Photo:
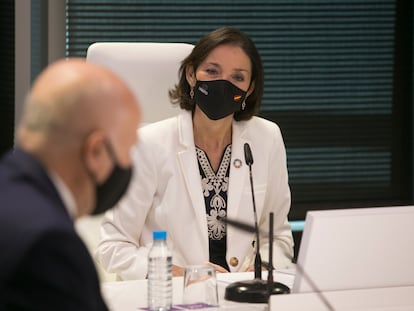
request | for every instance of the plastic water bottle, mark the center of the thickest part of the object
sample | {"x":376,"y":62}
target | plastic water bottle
{"x":159,"y":274}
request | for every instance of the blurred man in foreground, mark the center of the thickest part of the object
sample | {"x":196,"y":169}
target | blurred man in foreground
{"x":72,"y":159}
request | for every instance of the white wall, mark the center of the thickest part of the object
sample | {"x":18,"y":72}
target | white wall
{"x":22,"y":55}
{"x":55,"y":44}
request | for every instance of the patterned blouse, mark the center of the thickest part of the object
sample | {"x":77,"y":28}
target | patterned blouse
{"x":215,"y":186}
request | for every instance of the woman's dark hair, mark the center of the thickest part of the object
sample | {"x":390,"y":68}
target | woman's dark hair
{"x":181,"y":93}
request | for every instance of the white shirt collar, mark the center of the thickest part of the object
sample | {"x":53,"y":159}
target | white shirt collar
{"x":65,"y":194}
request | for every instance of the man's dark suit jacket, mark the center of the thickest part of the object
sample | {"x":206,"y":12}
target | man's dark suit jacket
{"x":44,"y":265}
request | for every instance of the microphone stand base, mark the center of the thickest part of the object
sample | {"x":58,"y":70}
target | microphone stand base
{"x":254,"y":291}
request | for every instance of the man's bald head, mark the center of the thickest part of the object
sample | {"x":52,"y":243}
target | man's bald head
{"x":72,"y":97}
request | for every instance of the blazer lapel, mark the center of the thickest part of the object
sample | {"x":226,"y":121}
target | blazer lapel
{"x":239,"y":171}
{"x":187,"y":159}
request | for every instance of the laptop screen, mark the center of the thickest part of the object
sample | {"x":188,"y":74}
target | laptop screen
{"x":356,"y":248}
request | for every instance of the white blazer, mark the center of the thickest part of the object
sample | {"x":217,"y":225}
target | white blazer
{"x":166,"y":193}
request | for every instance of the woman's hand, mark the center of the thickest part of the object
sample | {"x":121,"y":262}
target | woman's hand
{"x":177,"y":270}
{"x":265,"y":266}
{"x":218,"y":268}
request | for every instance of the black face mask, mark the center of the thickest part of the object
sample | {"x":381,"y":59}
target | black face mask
{"x":114,"y":187}
{"x":218,"y":98}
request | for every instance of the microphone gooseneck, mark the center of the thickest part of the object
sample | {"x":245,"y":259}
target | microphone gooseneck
{"x":270,"y":265}
{"x":257,"y":260}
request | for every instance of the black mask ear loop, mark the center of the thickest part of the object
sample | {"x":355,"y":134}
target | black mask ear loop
{"x":83,"y":154}
{"x":110,"y":150}
{"x":111,"y":154}
{"x":114,"y":187}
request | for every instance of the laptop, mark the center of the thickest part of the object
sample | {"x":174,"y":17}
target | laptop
{"x":356,"y":249}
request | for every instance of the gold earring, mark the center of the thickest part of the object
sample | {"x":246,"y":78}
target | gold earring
{"x":192,"y":93}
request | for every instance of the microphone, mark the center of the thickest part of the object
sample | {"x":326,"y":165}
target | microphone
{"x":249,"y":228}
{"x":248,"y":156}
{"x":256,"y":290}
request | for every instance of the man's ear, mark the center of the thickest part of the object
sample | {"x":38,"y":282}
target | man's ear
{"x":190,"y":75}
{"x":95,"y":154}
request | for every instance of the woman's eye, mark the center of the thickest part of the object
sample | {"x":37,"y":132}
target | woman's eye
{"x":211,"y":71}
{"x":238,"y":78}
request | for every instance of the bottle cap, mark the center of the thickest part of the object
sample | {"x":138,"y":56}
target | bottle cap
{"x":159,"y":235}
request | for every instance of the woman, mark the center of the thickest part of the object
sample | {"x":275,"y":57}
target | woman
{"x":191,"y":170}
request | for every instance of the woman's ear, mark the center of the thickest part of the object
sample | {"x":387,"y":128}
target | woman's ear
{"x":190,"y":75}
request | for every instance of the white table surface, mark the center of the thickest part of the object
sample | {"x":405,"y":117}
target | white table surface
{"x":132,"y":295}
{"x":399,"y":298}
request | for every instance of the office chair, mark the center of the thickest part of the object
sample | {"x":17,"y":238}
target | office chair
{"x":150,"y":70}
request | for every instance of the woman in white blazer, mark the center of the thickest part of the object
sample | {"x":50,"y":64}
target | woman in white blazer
{"x":191,"y":170}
